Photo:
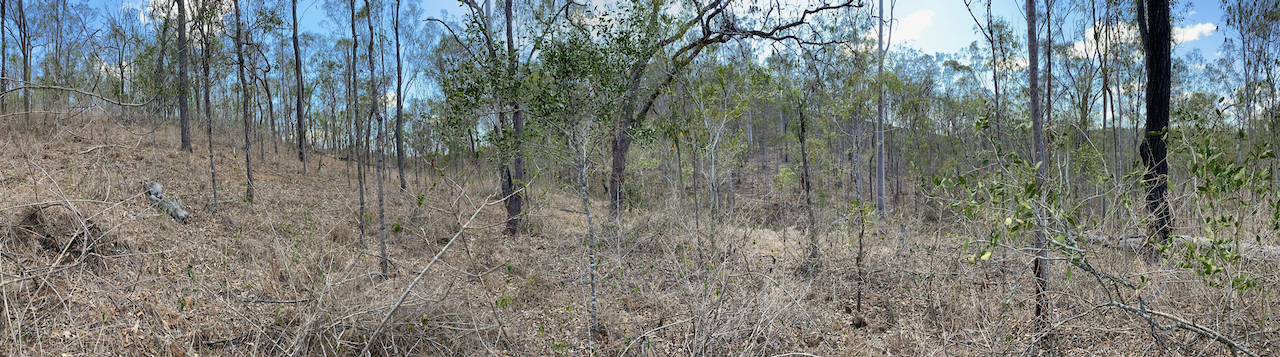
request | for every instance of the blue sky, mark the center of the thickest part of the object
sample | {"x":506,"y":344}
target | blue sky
{"x":931,"y":26}
{"x":945,"y":25}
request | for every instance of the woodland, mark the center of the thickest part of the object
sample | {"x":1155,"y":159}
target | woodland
{"x":635,"y":178}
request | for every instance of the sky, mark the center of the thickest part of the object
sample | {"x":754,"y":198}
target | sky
{"x":934,"y":26}
{"x":931,"y":26}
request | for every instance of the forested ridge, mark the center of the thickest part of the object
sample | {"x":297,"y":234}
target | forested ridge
{"x":637,"y":178}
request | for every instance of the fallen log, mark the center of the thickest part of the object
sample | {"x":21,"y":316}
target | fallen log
{"x":1248,"y":251}
{"x":156,"y":193}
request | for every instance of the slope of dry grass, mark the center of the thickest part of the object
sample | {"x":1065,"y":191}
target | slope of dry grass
{"x":91,"y":268}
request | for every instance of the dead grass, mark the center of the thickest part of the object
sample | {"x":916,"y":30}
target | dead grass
{"x":91,"y":268}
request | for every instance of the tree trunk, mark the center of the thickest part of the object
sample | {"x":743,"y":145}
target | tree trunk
{"x":1040,"y":266}
{"x":24,"y":40}
{"x":4,"y":53}
{"x":880,"y":117}
{"x":359,"y":138}
{"x":297,"y":74}
{"x":808,"y":191}
{"x":380,"y":141}
{"x":1156,"y":35}
{"x":399,"y":103}
{"x":184,"y":118}
{"x":513,"y":175}
{"x":208,"y":111}
{"x":244,"y":104}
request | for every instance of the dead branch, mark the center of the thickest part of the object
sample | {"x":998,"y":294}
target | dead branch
{"x":91,"y":94}
{"x":488,"y":201}
{"x":1180,"y":323}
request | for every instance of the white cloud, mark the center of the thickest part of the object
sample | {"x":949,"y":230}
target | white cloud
{"x":1108,"y":35}
{"x":1193,"y":32}
{"x":911,"y":26}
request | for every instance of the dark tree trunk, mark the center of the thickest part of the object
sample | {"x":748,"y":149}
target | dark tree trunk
{"x":1156,"y":35}
{"x":1039,"y":267}
{"x":24,"y":43}
{"x":297,"y":74}
{"x":208,"y":112}
{"x":355,"y":118}
{"x":4,"y":53}
{"x":244,"y":104}
{"x":399,"y":103}
{"x":513,"y":175}
{"x":184,"y":119}
{"x":805,"y":181}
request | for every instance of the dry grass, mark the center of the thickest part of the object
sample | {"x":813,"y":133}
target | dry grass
{"x":89,"y":267}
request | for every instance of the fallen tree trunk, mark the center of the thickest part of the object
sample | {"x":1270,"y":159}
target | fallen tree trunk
{"x":1248,"y":251}
{"x":156,"y":193}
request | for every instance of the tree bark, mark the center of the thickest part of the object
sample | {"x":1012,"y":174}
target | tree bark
{"x":1039,"y":266}
{"x":4,"y":53}
{"x":880,"y":116}
{"x":1154,"y":25}
{"x":359,"y":138}
{"x":399,"y":103}
{"x":184,"y":119}
{"x":244,"y":104}
{"x":513,"y":175}
{"x":25,"y":47}
{"x":297,"y":74}
{"x":380,"y":141}
{"x":208,"y":110}
{"x":808,"y":191}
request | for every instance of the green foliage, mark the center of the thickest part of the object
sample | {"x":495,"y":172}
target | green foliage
{"x":785,"y":181}
{"x":1231,"y":195}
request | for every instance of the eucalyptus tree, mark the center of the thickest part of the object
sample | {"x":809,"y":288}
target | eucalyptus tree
{"x":1154,"y":25}
{"x":23,"y":35}
{"x":184,"y":118}
{"x":4,"y":56}
{"x":655,"y":47}
{"x":399,"y":100}
{"x":568,"y":96}
{"x":205,"y":22}
{"x":244,"y":100}
{"x":297,"y":75}
{"x":1039,"y":267}
{"x":495,"y":80}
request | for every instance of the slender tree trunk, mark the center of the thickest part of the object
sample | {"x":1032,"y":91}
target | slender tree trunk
{"x":805,"y":181}
{"x":880,"y":117}
{"x":208,"y":110}
{"x":24,"y":39}
{"x":269,"y":120}
{"x":581,"y":143}
{"x":513,"y":180}
{"x":1156,"y":34}
{"x":995,"y":73}
{"x":355,"y":119}
{"x":184,"y":118}
{"x":297,"y":74}
{"x":244,"y":104}
{"x":4,"y":54}
{"x":399,"y":103}
{"x":380,"y":141}
{"x":1040,"y":266}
